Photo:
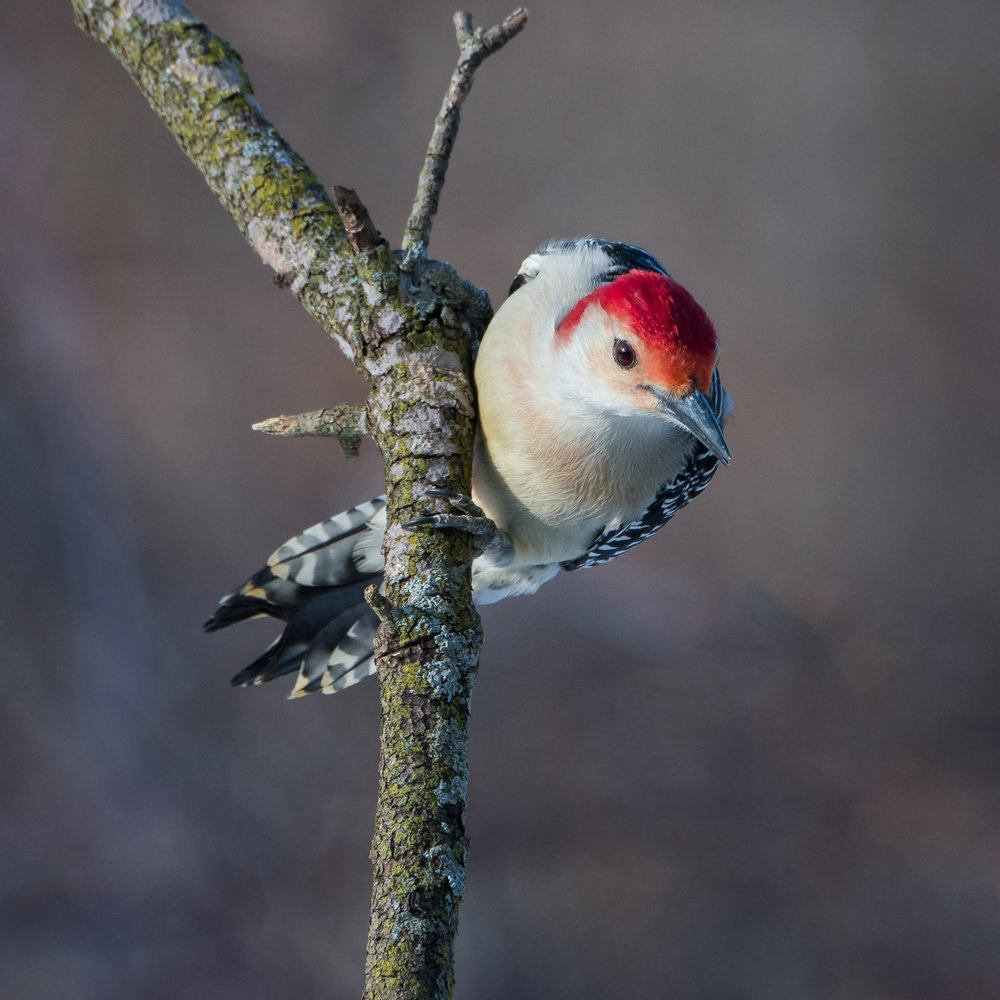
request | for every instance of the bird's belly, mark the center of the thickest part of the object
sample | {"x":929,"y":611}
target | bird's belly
{"x":552,"y":503}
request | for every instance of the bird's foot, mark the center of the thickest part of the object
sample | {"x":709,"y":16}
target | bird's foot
{"x":469,"y":518}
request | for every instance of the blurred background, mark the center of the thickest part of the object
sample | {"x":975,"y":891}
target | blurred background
{"x":757,"y":757}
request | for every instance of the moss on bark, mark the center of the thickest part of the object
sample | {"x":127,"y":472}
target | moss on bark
{"x":411,"y":333}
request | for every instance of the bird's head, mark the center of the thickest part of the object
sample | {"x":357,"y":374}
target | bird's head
{"x":635,"y":338}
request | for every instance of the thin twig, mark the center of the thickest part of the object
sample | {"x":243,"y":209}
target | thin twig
{"x":474,"y":46}
{"x":345,"y":422}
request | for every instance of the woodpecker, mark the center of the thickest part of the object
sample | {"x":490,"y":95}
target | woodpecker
{"x":601,"y":414}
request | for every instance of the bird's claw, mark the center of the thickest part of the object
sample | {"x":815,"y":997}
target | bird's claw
{"x":458,"y":500}
{"x":471,"y":519}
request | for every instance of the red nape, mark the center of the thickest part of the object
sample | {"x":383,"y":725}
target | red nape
{"x":662,"y":313}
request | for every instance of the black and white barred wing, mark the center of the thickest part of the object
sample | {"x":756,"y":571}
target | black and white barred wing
{"x":693,"y":479}
{"x":315,"y":583}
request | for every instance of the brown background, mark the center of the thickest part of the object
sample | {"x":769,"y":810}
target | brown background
{"x":756,"y":758}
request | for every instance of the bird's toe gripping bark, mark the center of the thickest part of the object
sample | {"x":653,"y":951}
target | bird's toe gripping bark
{"x":470,"y":518}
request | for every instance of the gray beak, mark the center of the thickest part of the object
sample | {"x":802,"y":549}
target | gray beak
{"x":694,"y":414}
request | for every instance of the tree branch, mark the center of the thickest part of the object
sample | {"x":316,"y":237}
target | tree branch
{"x":196,"y":83}
{"x":346,"y":422}
{"x":411,"y":334}
{"x":473,"y":47}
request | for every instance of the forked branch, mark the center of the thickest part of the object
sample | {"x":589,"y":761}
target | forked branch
{"x":411,"y":334}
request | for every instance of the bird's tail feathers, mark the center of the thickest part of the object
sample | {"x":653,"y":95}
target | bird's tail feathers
{"x":315,"y":583}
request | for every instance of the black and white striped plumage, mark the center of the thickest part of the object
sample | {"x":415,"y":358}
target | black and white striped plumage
{"x":601,"y":411}
{"x":316,"y":584}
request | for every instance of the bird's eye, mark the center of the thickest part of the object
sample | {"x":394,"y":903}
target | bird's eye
{"x":624,"y":354}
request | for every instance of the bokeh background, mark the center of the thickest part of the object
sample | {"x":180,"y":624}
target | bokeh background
{"x":758,"y":757}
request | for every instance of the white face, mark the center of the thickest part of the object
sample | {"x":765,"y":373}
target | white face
{"x":605,"y":361}
{"x":540,"y":344}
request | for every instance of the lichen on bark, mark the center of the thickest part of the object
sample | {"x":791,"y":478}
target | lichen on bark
{"x":410,"y":328}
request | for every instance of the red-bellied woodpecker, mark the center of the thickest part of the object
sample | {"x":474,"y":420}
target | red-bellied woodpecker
{"x":600,"y":416}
